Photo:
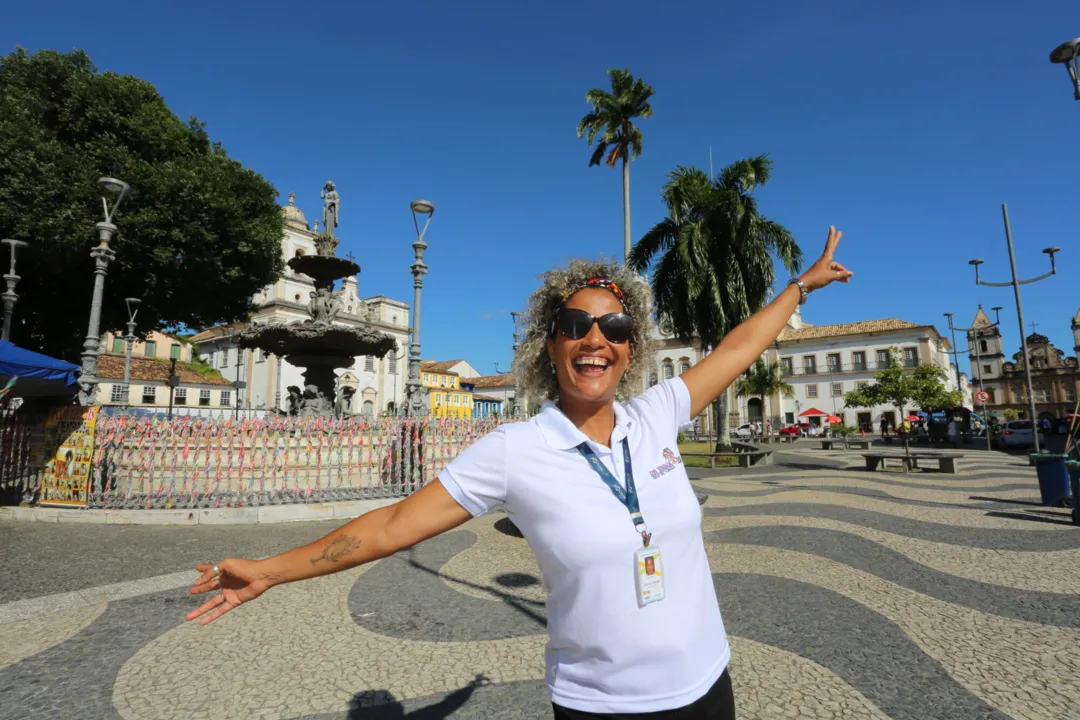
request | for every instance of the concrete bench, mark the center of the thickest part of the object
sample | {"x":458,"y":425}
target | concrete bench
{"x":858,"y":444}
{"x":946,"y":461}
{"x":746,"y":459}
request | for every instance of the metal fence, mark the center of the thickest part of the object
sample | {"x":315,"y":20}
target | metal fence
{"x":146,"y":461}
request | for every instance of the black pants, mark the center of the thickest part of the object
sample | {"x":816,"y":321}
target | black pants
{"x":717,"y":704}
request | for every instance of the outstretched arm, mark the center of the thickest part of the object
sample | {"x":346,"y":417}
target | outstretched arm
{"x":372,"y":536}
{"x":741,"y":347}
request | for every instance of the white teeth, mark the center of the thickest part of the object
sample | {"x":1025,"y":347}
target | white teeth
{"x":588,"y":360}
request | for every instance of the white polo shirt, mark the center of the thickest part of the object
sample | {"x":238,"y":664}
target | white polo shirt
{"x":605,"y":654}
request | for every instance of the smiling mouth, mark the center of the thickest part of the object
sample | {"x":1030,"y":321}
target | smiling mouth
{"x":591,"y":366}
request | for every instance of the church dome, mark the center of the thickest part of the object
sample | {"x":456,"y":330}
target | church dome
{"x":294,"y":216}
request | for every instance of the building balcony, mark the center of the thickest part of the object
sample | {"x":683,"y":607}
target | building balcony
{"x":842,"y":368}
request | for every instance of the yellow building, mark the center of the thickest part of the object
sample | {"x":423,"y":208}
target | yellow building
{"x":449,"y":395}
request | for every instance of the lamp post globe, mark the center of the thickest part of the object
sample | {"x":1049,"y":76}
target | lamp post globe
{"x":10,"y":280}
{"x":133,"y":310}
{"x":1068,"y":54}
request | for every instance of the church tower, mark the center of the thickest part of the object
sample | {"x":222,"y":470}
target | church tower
{"x":986,"y":336}
{"x":1076,"y":333}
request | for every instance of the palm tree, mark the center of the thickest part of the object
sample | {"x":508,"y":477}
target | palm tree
{"x":612,"y":118}
{"x":763,"y":381}
{"x":714,"y":254}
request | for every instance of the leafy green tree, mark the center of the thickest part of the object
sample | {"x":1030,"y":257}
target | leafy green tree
{"x":763,"y":381}
{"x":612,"y":118}
{"x":922,"y":387}
{"x":197,"y":236}
{"x":714,"y":254}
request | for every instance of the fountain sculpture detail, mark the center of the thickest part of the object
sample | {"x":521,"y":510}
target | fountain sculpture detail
{"x":318,"y":344}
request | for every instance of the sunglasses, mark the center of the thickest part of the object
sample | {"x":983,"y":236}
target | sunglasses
{"x":576,"y":324}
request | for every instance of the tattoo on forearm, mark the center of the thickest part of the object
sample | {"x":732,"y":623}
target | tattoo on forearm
{"x":337,"y":549}
{"x":274,"y":577}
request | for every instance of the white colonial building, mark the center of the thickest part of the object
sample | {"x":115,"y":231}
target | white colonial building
{"x":379,"y":382}
{"x":821,"y":364}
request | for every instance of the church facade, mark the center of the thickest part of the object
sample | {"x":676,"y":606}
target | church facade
{"x":1055,"y":376}
{"x":378,"y":384}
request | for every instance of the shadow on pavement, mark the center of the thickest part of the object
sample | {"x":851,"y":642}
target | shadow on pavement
{"x":389,"y":708}
{"x":1006,"y":501}
{"x":1025,"y":516}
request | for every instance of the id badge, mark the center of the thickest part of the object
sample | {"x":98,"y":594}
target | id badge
{"x":650,"y":575}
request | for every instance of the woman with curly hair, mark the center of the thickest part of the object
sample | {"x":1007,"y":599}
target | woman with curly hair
{"x":595,"y":486}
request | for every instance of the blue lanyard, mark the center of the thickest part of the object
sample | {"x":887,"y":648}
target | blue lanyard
{"x":627,"y":497}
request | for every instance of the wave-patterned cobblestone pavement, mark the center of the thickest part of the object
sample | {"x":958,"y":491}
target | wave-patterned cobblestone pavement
{"x":847,"y":594}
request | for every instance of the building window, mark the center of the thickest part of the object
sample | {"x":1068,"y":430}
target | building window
{"x":833,"y":362}
{"x":1042,"y":395}
{"x":204,"y":398}
{"x":226,"y":398}
{"x":118,"y":394}
{"x":669,"y":370}
{"x":789,"y":418}
{"x":785,"y":364}
{"x":438,"y":399}
{"x":858,"y":360}
{"x":118,"y":344}
{"x":882,"y":359}
{"x":684,"y":366}
{"x":225,"y":358}
{"x":652,"y":378}
{"x":983,"y":347}
{"x":911,"y":357}
{"x":369,"y":363}
{"x":1070,"y":394}
{"x":987,"y":369}
{"x":150,"y":348}
{"x":149,"y":395}
{"x":811,"y":391}
{"x":392,"y":362}
{"x":180,"y":396}
{"x":861,"y":383}
{"x":809,"y":365}
{"x":837,"y":389}
{"x":368,"y":408}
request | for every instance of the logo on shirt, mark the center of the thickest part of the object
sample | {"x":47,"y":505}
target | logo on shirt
{"x":671,"y":460}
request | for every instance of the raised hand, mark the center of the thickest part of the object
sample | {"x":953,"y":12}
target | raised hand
{"x":826,"y":270}
{"x":237,"y":582}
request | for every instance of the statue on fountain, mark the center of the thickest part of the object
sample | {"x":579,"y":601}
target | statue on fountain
{"x":319,"y":345}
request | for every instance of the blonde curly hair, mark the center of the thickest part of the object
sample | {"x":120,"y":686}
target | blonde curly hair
{"x":538,"y":380}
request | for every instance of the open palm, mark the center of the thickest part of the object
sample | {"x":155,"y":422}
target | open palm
{"x":239,"y":582}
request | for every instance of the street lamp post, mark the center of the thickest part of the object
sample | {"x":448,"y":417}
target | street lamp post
{"x":978,"y":358}
{"x":415,"y":397}
{"x":102,"y":254}
{"x":1068,"y":54}
{"x":1015,"y":284}
{"x":133,"y":310}
{"x":514,"y":367}
{"x":174,"y":355}
{"x":9,"y":296}
{"x":238,"y":384}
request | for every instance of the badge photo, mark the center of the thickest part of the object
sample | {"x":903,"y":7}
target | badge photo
{"x":649,"y":575}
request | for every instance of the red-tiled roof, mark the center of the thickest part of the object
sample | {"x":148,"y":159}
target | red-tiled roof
{"x":111,"y":367}
{"x":855,"y":328}
{"x":442,"y":366}
{"x":493,"y":381}
{"x":488,"y":398}
{"x":218,"y":331}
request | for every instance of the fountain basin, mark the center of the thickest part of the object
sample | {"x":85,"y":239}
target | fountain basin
{"x":324,"y":269}
{"x":308,"y":338}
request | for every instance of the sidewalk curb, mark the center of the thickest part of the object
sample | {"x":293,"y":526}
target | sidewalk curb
{"x":265,"y":514}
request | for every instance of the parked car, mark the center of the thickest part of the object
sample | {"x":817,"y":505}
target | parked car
{"x":743,"y":430}
{"x":1016,"y":434}
{"x":792,"y":430}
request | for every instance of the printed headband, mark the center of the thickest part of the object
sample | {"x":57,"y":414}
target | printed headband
{"x":602,"y":283}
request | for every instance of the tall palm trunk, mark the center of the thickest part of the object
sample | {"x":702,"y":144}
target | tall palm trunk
{"x":626,"y":204}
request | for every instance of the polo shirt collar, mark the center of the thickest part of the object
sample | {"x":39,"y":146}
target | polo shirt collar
{"x":561,"y":434}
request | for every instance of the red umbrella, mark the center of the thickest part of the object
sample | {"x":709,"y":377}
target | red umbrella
{"x":833,"y":419}
{"x":913,"y":418}
{"x":813,"y":412}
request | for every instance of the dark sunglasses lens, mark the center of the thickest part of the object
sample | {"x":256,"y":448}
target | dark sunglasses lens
{"x":575,"y":324}
{"x":617,"y":327}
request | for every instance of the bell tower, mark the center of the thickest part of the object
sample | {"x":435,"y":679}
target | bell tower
{"x":1076,"y":333}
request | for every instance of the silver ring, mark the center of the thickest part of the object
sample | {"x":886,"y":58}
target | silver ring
{"x":216,"y":571}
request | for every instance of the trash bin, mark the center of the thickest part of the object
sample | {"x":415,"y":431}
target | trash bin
{"x":1053,"y":477}
{"x":1074,"y":485}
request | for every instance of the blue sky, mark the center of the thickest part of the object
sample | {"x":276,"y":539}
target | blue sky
{"x":906,"y":125}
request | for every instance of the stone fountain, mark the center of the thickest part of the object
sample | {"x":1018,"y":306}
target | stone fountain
{"x":318,"y":344}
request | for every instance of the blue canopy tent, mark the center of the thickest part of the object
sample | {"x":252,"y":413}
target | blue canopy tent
{"x":38,"y":375}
